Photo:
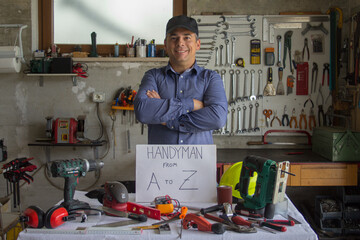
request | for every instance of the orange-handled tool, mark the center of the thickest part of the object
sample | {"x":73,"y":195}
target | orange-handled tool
{"x":181,"y":215}
{"x":183,"y":212}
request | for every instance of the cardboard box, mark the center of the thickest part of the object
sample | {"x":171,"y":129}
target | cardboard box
{"x":4,"y":205}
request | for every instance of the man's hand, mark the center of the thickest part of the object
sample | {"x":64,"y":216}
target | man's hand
{"x":198,"y":104}
{"x":152,"y":94}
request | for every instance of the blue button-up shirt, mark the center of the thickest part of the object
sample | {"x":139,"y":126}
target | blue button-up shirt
{"x":175,"y":108}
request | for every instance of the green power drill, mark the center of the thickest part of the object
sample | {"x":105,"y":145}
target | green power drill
{"x":72,"y":170}
{"x":260,"y":204}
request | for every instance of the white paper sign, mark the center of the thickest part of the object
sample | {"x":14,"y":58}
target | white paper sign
{"x":184,"y":172}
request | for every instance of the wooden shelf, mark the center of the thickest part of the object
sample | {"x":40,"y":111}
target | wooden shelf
{"x":122,"y":59}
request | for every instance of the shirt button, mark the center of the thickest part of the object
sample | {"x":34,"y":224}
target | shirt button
{"x":187,"y":110}
{"x":182,"y":76}
{"x":181,"y":91}
{"x":181,"y":141}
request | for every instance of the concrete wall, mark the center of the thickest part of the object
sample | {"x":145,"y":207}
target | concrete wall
{"x":24,"y":104}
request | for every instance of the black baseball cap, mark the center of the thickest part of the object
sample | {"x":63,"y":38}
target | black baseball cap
{"x":182,"y":21}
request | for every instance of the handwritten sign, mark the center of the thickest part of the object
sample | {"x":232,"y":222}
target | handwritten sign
{"x":184,"y":172}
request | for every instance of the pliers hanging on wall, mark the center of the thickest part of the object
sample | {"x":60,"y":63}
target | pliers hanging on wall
{"x":312,"y":122}
{"x":287,"y":47}
{"x":306,"y":47}
{"x":303,"y":118}
{"x":321,"y":114}
{"x":314,"y":77}
{"x":293,"y":119}
{"x":275,"y":117}
{"x":325,"y":70}
{"x":285,"y":117}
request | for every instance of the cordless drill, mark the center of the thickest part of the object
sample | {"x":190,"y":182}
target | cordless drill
{"x":72,"y":170}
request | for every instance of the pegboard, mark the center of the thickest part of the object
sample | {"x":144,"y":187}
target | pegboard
{"x":234,"y":33}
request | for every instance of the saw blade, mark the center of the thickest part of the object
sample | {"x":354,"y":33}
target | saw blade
{"x":118,"y":224}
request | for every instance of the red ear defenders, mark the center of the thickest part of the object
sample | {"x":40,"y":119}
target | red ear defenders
{"x":54,"y":217}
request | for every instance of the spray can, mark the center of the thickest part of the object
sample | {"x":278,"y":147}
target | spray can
{"x":152,"y":49}
{"x":116,"y":50}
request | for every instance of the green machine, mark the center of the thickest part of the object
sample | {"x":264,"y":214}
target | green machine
{"x":259,"y":204}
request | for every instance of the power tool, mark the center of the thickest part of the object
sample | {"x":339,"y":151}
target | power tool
{"x":262,"y":202}
{"x":65,"y":130}
{"x":116,"y":196}
{"x":72,"y":170}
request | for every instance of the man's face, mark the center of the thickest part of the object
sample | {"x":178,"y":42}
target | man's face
{"x":181,"y":46}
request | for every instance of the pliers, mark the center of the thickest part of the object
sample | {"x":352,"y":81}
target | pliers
{"x":306,"y":46}
{"x":320,"y":108}
{"x":314,"y":77}
{"x":326,"y":69}
{"x":303,"y":117}
{"x":312,"y":122}
{"x":293,"y":118}
{"x":285,"y":117}
{"x":275,"y":117}
{"x":309,"y":99}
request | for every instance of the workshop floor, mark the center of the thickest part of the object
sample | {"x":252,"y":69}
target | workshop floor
{"x":305,"y":203}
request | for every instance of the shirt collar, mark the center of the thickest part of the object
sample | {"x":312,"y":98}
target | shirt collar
{"x":194,"y":67}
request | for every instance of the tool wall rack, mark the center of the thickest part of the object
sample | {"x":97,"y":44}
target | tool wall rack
{"x":225,"y":46}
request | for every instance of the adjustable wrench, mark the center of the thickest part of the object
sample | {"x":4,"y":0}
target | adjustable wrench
{"x":243,"y":123}
{"x":238,"y":120}
{"x":252,"y":97}
{"x":244,"y":97}
{"x":227,"y":57}
{"x":221,"y":55}
{"x":256,"y":128}
{"x":259,"y":95}
{"x":250,"y":129}
{"x":233,"y":52}
{"x":238,"y":98}
{"x":278,"y":38}
{"x":216,"y":56}
{"x":232,"y":92}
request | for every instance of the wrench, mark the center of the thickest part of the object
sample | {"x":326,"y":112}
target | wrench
{"x":216,"y":31}
{"x":227,"y":57}
{"x":208,"y":43}
{"x":244,"y":97}
{"x":221,"y":55}
{"x":243,"y":123}
{"x":216,"y":56}
{"x":259,"y":95}
{"x":202,"y":49}
{"x":232,"y":133}
{"x":217,"y":24}
{"x":233,"y":52}
{"x":256,"y":128}
{"x":239,"y":120}
{"x":213,"y":37}
{"x":223,"y":76}
{"x":250,"y":25}
{"x":252,"y":97}
{"x":250,"y":129}
{"x":238,"y":98}
{"x":228,"y":123}
{"x":278,"y":38}
{"x":232,"y":92}
{"x":250,"y":33}
{"x":247,"y":18}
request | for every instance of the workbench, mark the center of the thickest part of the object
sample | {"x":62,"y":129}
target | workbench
{"x":301,"y":231}
{"x":310,"y":168}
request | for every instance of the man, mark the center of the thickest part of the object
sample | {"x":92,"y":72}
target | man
{"x":182,"y":103}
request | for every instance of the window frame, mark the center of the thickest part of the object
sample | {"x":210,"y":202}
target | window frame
{"x":46,"y":29}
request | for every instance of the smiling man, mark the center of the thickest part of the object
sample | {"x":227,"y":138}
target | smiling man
{"x":182,"y":103}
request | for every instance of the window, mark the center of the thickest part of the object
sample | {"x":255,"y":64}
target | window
{"x":48,"y":18}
